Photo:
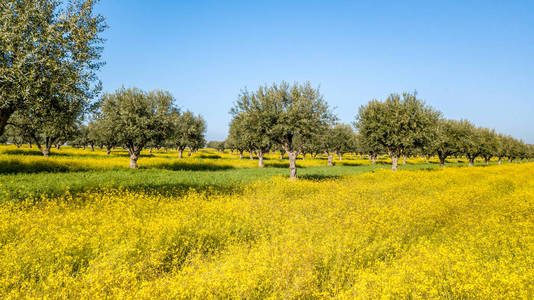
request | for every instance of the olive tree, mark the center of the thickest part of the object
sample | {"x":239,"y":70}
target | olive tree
{"x":396,"y":125}
{"x":197,"y":132}
{"x":49,"y":53}
{"x":137,"y":117}
{"x":102,"y":132}
{"x":468,"y":141}
{"x":254,"y":127}
{"x":236,"y":139}
{"x":288,"y":115}
{"x":343,"y":138}
{"x":47,"y":126}
{"x":336,"y":139}
{"x":489,"y":144}
{"x":187,"y":130}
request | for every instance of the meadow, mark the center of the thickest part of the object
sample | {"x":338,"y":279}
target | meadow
{"x":80,"y":224}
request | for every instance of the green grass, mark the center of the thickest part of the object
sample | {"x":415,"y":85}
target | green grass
{"x":22,"y":186}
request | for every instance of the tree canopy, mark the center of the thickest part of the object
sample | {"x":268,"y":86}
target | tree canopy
{"x":286,"y":115}
{"x":49,"y":54}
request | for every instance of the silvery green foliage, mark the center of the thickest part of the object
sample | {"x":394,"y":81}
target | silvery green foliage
{"x":397,"y":125}
{"x":284,"y":115}
{"x":49,"y":53}
{"x":187,"y":130}
{"x":136,"y":118}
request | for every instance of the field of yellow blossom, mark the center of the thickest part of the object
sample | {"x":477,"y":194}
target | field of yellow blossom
{"x":431,"y":233}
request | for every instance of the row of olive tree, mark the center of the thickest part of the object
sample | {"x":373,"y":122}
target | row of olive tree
{"x":129,"y":118}
{"x":135,"y":119}
{"x":404,"y":125}
{"x":295,"y":119}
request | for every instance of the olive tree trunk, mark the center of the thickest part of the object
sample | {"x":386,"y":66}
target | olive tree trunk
{"x":499,"y":161}
{"x":373,"y":159}
{"x":394,"y":162}
{"x":134,"y":155}
{"x":442,"y":161}
{"x":260,"y":159}
{"x":471,"y":161}
{"x":292,"y":164}
{"x":45,"y":150}
{"x":180,"y":153}
{"x":241,"y":154}
{"x":108,"y":150}
{"x":487,"y":159}
{"x":330,"y":159}
{"x":404,"y":159}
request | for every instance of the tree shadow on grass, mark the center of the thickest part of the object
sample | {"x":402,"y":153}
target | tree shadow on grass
{"x":190,"y":166}
{"x":50,"y":166}
{"x":349,"y":164}
{"x":14,"y":167}
{"x":33,"y":152}
{"x":274,"y":164}
{"x":180,"y":189}
{"x":318,"y":177}
{"x":177,"y":190}
{"x":209,"y":156}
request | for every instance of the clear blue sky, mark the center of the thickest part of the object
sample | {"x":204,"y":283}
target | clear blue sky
{"x":469,"y":59}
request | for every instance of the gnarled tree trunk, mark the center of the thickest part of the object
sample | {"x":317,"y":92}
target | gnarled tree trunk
{"x":108,"y":150}
{"x":404,"y":159}
{"x":471,"y":161}
{"x":5,"y":114}
{"x":180,"y":153}
{"x":251,"y":155}
{"x":340,"y":156}
{"x":134,"y":155}
{"x":373,"y":159}
{"x":240,"y":154}
{"x":442,"y":161}
{"x":330,"y":159}
{"x":292,"y":164}
{"x":260,"y":159}
{"x":46,"y":151}
{"x":394,"y":162}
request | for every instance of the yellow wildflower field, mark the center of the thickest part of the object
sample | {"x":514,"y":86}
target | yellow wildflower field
{"x":452,"y":233}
